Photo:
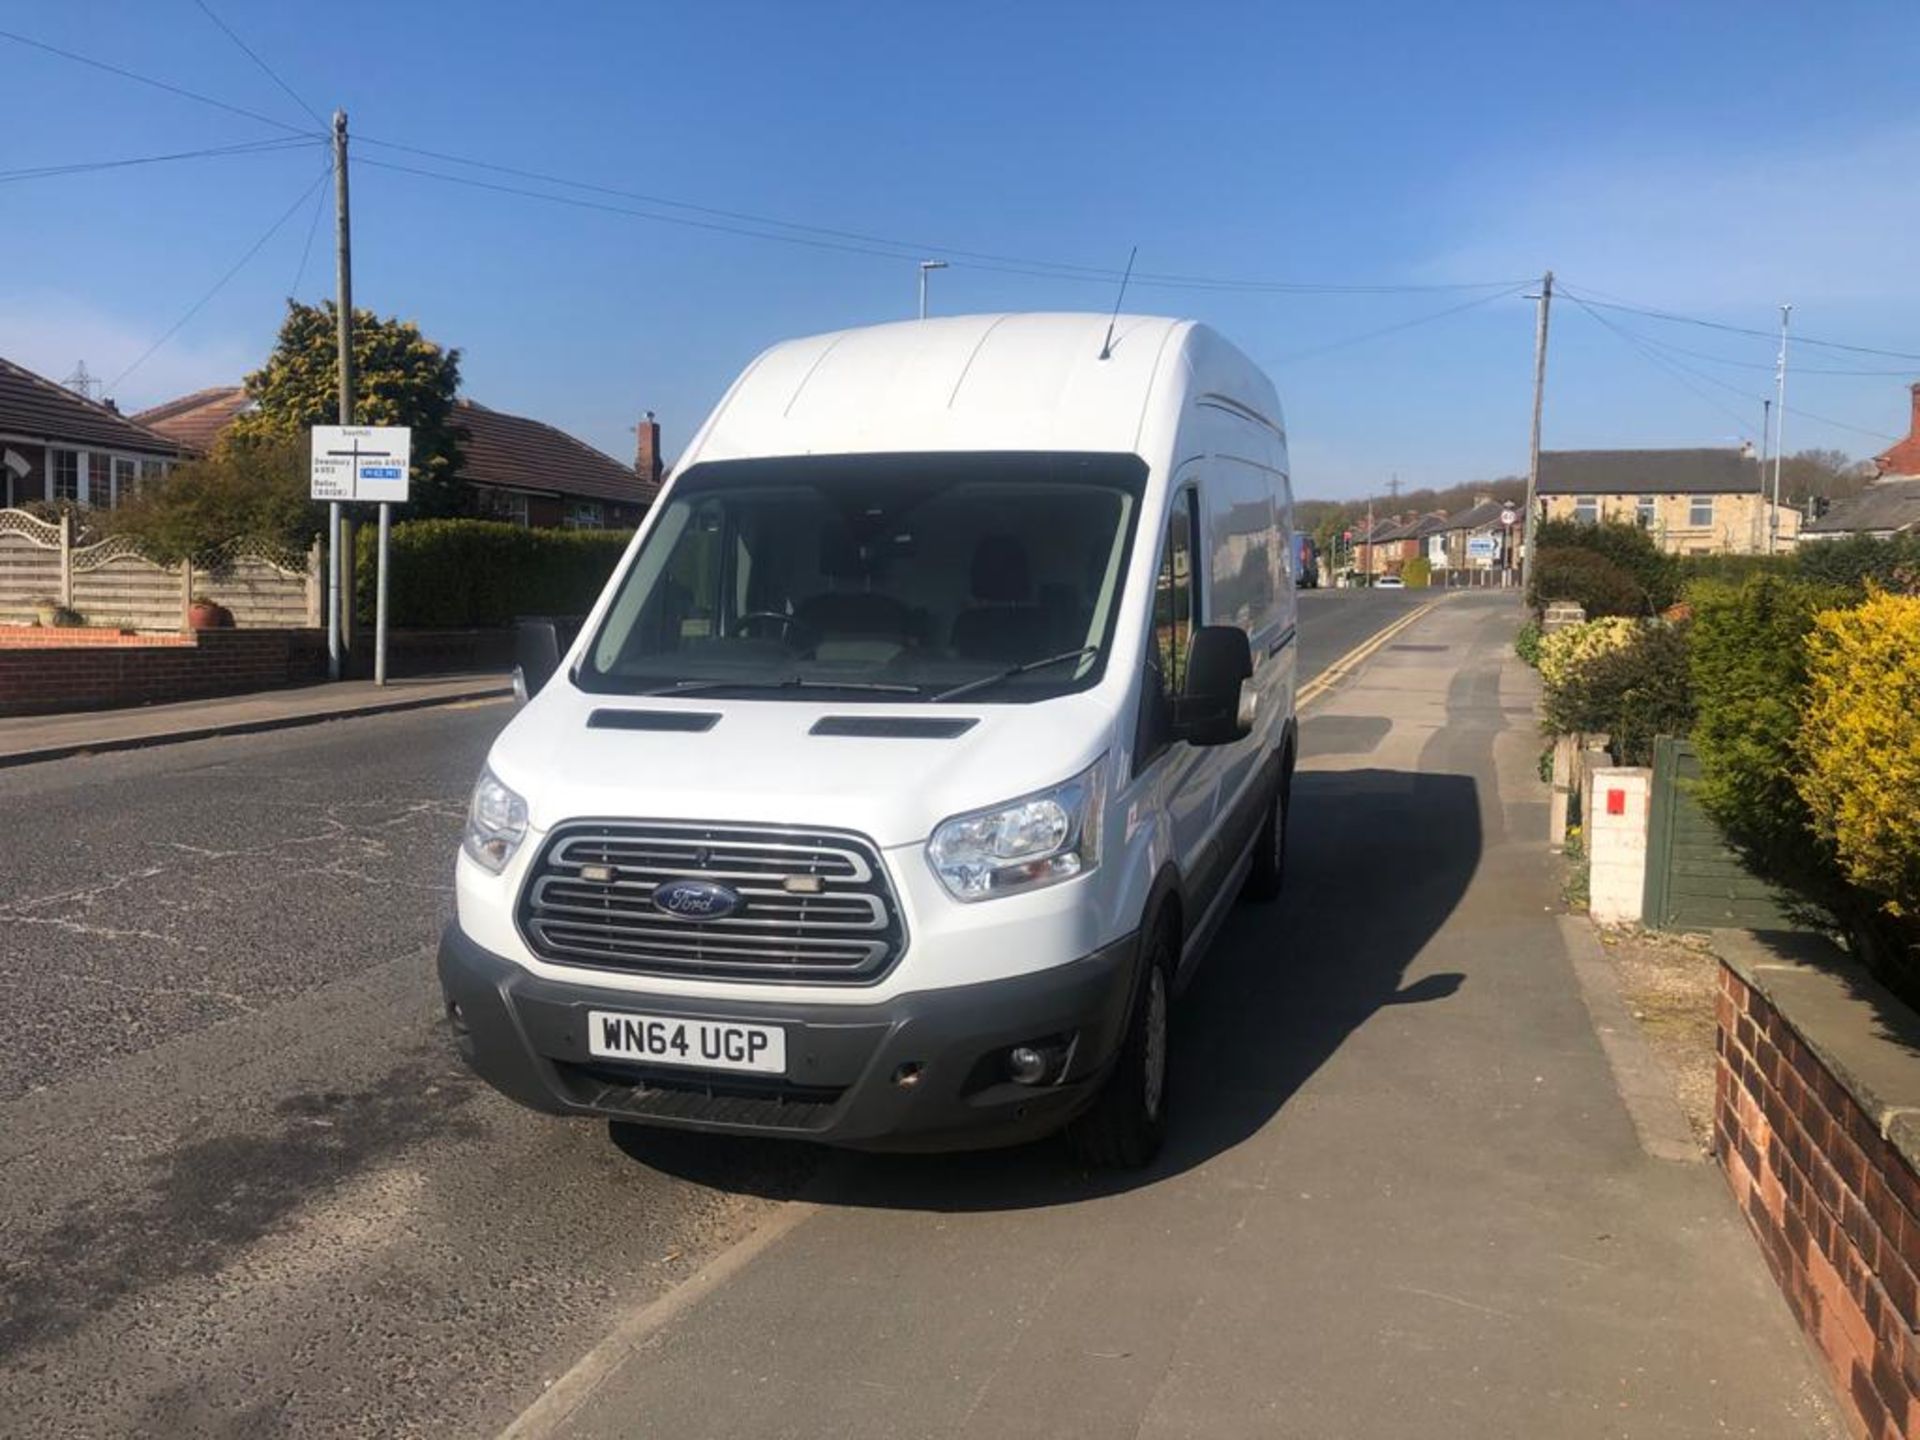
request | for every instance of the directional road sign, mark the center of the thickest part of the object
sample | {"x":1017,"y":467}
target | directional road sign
{"x":361,"y":462}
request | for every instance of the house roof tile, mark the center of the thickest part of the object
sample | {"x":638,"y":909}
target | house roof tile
{"x":196,"y":420}
{"x":35,"y":408}
{"x":1648,"y":472}
{"x":523,"y":454}
{"x":1885,"y":506}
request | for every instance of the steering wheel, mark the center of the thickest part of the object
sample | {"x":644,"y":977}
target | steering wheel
{"x":787,"y":623}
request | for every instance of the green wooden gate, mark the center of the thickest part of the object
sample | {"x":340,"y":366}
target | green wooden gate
{"x":1694,"y":881}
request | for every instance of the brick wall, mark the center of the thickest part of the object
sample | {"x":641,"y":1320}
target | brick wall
{"x":44,"y":679}
{"x":1832,"y":1202}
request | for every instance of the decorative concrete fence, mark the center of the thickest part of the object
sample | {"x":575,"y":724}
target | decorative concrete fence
{"x":112,"y":584}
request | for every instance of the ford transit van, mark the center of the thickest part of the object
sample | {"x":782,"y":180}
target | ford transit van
{"x":939,"y":712}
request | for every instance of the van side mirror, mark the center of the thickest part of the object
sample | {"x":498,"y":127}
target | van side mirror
{"x":536,"y":654}
{"x":1211,"y":711}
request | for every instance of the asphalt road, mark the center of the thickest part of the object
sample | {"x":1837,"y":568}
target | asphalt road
{"x":244,"y":1187}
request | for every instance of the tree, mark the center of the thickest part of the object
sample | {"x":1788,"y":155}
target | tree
{"x":1653,"y":572}
{"x":250,"y":492}
{"x":400,"y":378}
{"x":1829,"y":474}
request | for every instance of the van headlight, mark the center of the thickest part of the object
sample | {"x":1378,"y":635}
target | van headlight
{"x":1039,"y":839}
{"x":496,"y":823}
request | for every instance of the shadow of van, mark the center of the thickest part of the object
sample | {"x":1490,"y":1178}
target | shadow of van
{"x":1378,"y":860}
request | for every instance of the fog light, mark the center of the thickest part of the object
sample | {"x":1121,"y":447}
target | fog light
{"x":1026,"y":1065}
{"x":908,"y":1075}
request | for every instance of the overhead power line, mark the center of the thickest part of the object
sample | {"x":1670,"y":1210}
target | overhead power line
{"x":248,"y":51}
{"x":1672,"y":317}
{"x":1385,"y":330}
{"x":866,"y":243}
{"x":220,"y":284}
{"x":167,"y":86}
{"x":250,"y":147}
{"x":1644,"y":345}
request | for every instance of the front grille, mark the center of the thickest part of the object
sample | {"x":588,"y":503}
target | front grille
{"x":710,"y":1100}
{"x":849,"y":932}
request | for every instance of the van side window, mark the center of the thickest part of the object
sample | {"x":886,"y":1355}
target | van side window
{"x":1173,"y":599}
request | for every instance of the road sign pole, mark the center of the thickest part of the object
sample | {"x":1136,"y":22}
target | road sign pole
{"x":333,"y":590}
{"x":380,"y":601}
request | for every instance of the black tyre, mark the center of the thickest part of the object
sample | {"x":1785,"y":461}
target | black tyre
{"x":1269,"y":873}
{"x":1126,"y":1123}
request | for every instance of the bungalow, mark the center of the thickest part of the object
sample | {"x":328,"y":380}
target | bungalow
{"x":520,"y":470}
{"x":1693,"y":502}
{"x":57,"y":445}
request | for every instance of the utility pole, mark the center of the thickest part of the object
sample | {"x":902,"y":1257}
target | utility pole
{"x":1533,"y":448}
{"x":925,"y":266}
{"x":1766,"y":434}
{"x":338,"y":563}
{"x":1779,"y":431}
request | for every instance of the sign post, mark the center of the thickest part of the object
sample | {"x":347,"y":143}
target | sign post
{"x":362,"y":462}
{"x":1508,"y":517}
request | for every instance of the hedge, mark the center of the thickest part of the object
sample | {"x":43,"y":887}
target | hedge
{"x":1749,"y":671}
{"x":1600,"y":587}
{"x":1860,"y":745}
{"x":458,"y":574}
{"x":1653,"y":574}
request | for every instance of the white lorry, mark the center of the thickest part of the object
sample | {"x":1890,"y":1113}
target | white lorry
{"x":933,"y":721}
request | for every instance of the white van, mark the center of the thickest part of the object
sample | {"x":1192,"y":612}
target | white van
{"x":927,"y":731}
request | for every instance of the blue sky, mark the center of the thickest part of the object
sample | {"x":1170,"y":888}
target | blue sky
{"x":1711,"y":158}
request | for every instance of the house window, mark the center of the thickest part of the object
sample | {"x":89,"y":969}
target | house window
{"x":1700,"y":512}
{"x":152,"y":472}
{"x":1643,"y":512}
{"x":126,"y":479}
{"x":507,"y":505}
{"x":1586,"y":509}
{"x":583,"y":515}
{"x":63,"y":477}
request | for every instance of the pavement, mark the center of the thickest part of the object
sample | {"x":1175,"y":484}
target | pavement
{"x":26,"y":739}
{"x":246,"y":1190}
{"x":1403,"y":1194}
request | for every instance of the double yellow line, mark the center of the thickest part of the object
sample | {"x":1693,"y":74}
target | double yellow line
{"x":1344,"y":666}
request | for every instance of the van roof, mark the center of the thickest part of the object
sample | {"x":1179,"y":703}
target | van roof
{"x":967,"y":382}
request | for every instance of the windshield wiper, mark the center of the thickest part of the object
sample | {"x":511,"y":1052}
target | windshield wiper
{"x":790,"y":682}
{"x":985,"y":681}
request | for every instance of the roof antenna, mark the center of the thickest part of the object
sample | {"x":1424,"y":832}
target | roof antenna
{"x":1106,"y":346}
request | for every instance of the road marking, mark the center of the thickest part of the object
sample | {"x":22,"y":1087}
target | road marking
{"x":1344,"y":666}
{"x":564,"y":1397}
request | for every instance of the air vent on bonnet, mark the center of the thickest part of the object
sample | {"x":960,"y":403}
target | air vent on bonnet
{"x":893,"y":727}
{"x":651,"y":720}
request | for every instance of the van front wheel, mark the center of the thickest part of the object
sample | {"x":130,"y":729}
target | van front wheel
{"x":1126,"y":1123}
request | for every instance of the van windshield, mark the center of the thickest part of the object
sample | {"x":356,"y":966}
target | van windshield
{"x":879,"y":577}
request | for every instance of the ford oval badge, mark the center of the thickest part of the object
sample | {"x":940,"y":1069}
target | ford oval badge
{"x":695,"y":899}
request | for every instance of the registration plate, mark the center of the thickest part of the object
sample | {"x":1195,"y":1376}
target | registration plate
{"x":697,"y":1044}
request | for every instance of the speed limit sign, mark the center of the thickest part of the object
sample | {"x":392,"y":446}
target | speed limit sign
{"x":1509,"y":516}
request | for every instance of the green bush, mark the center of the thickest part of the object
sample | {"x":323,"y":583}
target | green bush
{"x":247,"y":492}
{"x":1417,"y":572}
{"x":1591,"y":579}
{"x":1733,"y":568}
{"x":1749,"y":671}
{"x":454,"y":574}
{"x":1630,"y":693}
{"x":1527,"y":644}
{"x":1861,"y":562}
{"x":1654,"y":573}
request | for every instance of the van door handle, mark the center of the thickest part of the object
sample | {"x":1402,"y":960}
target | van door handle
{"x":1285,"y":639}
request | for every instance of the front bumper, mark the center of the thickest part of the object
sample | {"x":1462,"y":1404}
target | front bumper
{"x":526,"y":1036}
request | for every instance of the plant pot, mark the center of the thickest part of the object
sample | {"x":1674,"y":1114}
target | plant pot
{"x":205,"y":615}
{"x":46,"y":615}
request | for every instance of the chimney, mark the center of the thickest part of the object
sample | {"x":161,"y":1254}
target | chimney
{"x":646,"y":459}
{"x":1913,"y":421}
{"x":1746,"y":449}
{"x":110,"y":403}
{"x":1483,"y":497}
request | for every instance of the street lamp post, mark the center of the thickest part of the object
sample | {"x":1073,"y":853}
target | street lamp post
{"x":925,"y":266}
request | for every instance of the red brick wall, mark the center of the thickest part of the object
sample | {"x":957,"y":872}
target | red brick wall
{"x":1832,"y":1203}
{"x":42,"y":679}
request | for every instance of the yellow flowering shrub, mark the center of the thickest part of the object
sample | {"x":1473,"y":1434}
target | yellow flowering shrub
{"x":1860,"y":744}
{"x":1564,"y":652}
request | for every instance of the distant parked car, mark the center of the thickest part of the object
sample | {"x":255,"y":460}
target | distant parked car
{"x":1390,"y":582}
